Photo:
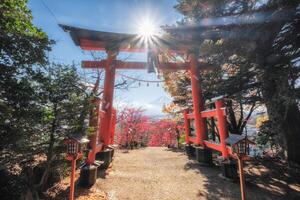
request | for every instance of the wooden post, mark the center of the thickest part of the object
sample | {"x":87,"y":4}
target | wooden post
{"x":94,"y":119}
{"x":186,"y":126}
{"x":72,"y":179}
{"x":112,"y":126}
{"x":222,"y":126}
{"x":242,"y":178}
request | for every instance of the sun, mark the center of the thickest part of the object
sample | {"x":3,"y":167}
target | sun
{"x":147,"y":28}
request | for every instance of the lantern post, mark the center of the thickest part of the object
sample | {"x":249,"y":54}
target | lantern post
{"x":76,"y":145}
{"x":242,"y":177}
{"x":72,"y":179}
{"x":240,"y":146}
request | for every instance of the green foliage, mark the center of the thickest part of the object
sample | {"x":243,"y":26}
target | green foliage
{"x":17,"y":18}
{"x":63,"y":106}
{"x":266,"y":136}
{"x":22,"y":46}
{"x":48,"y":115}
{"x":64,"y":101}
{"x":181,"y":139}
{"x":21,"y":42}
{"x":90,"y":131}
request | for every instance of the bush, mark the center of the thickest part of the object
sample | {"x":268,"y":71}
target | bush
{"x":266,"y":137}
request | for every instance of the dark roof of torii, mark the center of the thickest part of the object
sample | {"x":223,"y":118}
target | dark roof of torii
{"x":246,"y":26}
{"x":100,"y":36}
{"x":99,"y":40}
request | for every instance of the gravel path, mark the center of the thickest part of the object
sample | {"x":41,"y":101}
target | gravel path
{"x":160,"y":174}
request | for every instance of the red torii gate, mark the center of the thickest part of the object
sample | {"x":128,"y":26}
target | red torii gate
{"x":113,"y":43}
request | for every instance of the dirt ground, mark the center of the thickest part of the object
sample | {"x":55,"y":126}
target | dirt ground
{"x":162,"y":174}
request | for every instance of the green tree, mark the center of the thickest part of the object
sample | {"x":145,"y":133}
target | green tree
{"x":64,"y":100}
{"x":23,"y":49}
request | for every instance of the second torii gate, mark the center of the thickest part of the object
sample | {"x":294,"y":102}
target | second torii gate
{"x":112,"y":44}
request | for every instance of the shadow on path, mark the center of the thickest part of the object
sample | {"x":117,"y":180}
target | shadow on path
{"x":218,"y":187}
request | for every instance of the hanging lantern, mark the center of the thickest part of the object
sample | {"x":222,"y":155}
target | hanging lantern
{"x":151,"y":62}
{"x":72,"y":147}
{"x":239,"y":144}
{"x":147,"y":84}
{"x":76,"y":145}
{"x":157,"y":84}
{"x":139,"y":84}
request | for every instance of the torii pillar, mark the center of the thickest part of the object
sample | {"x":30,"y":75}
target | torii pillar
{"x":203,"y":154}
{"x":108,"y":95}
{"x":105,"y":122}
{"x":88,"y":174}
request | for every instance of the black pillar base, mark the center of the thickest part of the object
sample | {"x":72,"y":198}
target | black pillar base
{"x":204,"y":155}
{"x":229,"y":170}
{"x":190,"y":151}
{"x":101,"y":173}
{"x":88,"y":175}
{"x":112,"y":153}
{"x":106,"y":157}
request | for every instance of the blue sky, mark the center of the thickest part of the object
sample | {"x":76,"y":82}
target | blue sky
{"x":106,"y":15}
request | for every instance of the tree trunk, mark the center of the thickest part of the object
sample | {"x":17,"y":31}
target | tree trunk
{"x":284,"y":113}
{"x":292,"y":127}
{"x":49,"y":154}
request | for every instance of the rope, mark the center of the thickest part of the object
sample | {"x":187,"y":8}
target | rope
{"x":50,"y":11}
{"x":128,"y":77}
{"x":139,"y":80}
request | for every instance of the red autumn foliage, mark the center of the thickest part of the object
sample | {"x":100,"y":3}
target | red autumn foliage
{"x":132,"y":127}
{"x":164,"y":133}
{"x":135,"y":129}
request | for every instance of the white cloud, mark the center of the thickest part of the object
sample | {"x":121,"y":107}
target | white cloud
{"x":150,"y":108}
